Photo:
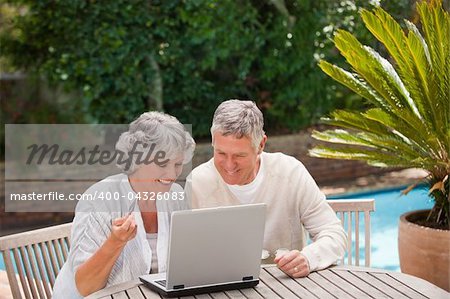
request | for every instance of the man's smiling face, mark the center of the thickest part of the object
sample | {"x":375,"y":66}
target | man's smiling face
{"x":236,"y":159}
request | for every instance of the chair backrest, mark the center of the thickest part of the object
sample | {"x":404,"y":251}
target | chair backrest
{"x":35,"y":257}
{"x":348,"y":211}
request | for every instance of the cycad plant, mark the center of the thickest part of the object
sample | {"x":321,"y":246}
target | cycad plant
{"x":407,"y":124}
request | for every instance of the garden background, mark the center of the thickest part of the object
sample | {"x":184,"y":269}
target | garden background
{"x":83,"y":61}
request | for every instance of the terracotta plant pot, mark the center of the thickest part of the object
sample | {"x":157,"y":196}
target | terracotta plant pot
{"x":424,"y":252}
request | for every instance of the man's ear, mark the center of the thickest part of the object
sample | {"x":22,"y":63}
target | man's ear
{"x":262,"y":144}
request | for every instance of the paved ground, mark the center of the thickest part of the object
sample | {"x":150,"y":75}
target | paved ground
{"x":398,"y":178}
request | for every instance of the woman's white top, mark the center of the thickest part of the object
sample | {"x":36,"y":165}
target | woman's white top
{"x":152,"y":241}
{"x":92,"y":226}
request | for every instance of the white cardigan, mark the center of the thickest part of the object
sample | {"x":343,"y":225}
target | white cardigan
{"x":293,"y":202}
{"x":92,"y":226}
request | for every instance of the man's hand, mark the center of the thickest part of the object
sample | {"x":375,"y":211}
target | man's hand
{"x":123,"y":229}
{"x":293,"y":264}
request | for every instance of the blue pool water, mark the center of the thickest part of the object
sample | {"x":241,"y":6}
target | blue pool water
{"x":389,"y":205}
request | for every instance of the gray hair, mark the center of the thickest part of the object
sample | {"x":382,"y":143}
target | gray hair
{"x":157,"y":129}
{"x":239,"y":119}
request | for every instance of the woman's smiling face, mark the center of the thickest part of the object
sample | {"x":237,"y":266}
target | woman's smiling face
{"x":155,"y":177}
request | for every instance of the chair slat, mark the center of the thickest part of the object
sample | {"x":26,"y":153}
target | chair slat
{"x":18,"y":262}
{"x":51,"y":253}
{"x":367,"y":237}
{"x":349,"y":237}
{"x":48,"y":268}
{"x":341,"y":218}
{"x":36,"y":279}
{"x":42,"y":273}
{"x":29,"y":276}
{"x":14,"y":284}
{"x":357,"y":238}
{"x":58,"y":254}
{"x":63,"y":248}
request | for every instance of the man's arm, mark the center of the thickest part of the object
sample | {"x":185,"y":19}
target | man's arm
{"x":325,"y":229}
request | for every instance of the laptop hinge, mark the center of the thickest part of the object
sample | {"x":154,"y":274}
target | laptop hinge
{"x":179,"y":286}
{"x":247,"y":278}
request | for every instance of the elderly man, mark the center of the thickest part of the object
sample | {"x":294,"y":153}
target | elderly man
{"x":242,"y":173}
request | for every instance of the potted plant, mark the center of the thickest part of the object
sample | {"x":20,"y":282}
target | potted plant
{"x":406,"y":124}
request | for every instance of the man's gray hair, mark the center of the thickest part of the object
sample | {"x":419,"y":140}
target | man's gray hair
{"x":157,"y":129}
{"x":239,"y":119}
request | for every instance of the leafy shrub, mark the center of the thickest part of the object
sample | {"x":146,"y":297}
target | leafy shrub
{"x":124,"y":57}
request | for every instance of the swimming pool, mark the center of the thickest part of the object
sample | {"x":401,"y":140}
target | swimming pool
{"x":389,"y":205}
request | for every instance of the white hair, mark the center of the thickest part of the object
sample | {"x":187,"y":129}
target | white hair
{"x":239,"y":119}
{"x":162,"y":131}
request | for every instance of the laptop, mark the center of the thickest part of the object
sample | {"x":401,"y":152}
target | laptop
{"x":212,"y":250}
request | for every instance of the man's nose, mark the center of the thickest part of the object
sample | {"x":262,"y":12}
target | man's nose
{"x":229,"y":162}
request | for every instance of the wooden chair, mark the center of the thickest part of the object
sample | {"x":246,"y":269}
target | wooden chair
{"x":347,"y":210}
{"x":35,"y":257}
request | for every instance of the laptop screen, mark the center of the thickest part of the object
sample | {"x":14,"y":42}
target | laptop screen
{"x":215,"y":245}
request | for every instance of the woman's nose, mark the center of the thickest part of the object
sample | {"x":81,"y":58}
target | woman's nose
{"x":173,"y":172}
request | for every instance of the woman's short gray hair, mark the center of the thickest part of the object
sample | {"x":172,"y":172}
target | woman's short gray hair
{"x":239,"y":119}
{"x":154,"y":129}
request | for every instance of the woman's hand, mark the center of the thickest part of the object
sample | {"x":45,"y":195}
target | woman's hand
{"x":293,"y":264}
{"x":93,"y":274}
{"x":123,"y":229}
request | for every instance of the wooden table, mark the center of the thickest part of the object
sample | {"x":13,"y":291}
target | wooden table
{"x":336,"y":282}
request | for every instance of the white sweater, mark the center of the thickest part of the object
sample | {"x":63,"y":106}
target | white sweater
{"x":294,"y":202}
{"x":92,"y":226}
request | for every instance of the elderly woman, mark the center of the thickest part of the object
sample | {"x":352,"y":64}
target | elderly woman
{"x":118,"y":240}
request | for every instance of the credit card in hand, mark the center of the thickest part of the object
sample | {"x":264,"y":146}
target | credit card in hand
{"x":132,"y":206}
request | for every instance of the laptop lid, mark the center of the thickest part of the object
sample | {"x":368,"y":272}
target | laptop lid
{"x":215,"y":246}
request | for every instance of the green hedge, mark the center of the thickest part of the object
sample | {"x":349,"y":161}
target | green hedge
{"x":123,"y":57}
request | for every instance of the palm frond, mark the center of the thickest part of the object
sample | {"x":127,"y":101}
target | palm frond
{"x":436,"y":27}
{"x":389,"y":32}
{"x":377,"y":121}
{"x":379,"y":74}
{"x":355,"y":121}
{"x":374,"y":158}
{"x":421,"y":67}
{"x":418,"y":137}
{"x":435,"y":22}
{"x":342,"y":137}
{"x":394,"y":143}
{"x":353,"y":82}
